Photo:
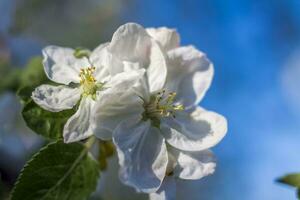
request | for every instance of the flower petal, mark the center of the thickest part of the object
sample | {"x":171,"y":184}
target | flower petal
{"x":157,"y":70}
{"x":101,"y":59}
{"x":117,"y":103}
{"x":189,"y":74}
{"x":193,"y":165}
{"x":124,"y":80}
{"x":131,"y":43}
{"x":196,"y":131}
{"x":136,"y":49}
{"x":55,"y":98}
{"x":79,"y":126}
{"x":112,"y":109}
{"x":167,"y":38}
{"x":141,"y":89}
{"x":167,"y":190}
{"x":142,"y":155}
{"x":61,"y":65}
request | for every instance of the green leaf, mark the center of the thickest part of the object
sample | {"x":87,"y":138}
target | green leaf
{"x":291,"y":179}
{"x":45,"y":123}
{"x":24,"y":94}
{"x":58,"y":171}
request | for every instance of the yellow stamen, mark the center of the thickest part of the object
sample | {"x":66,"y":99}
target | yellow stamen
{"x":88,"y":81}
{"x":162,"y":105}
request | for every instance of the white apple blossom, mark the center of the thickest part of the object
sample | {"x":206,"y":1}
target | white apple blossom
{"x":184,"y":165}
{"x":84,"y":80}
{"x":162,"y":109}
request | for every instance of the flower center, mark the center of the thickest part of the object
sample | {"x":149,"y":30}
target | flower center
{"x":88,"y":82}
{"x":161,"y":105}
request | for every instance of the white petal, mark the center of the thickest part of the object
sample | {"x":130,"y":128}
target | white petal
{"x":131,"y":43}
{"x":125,"y":80}
{"x":117,"y":103}
{"x":56,"y":98}
{"x":101,"y":59}
{"x":167,"y":190}
{"x":101,"y":132}
{"x":141,"y":89}
{"x":114,"y":108}
{"x":157,"y":70}
{"x":193,"y":165}
{"x":142,"y":155}
{"x":79,"y":126}
{"x":136,"y":49}
{"x":61,"y":65}
{"x":189,"y":74}
{"x":167,"y":38}
{"x":196,"y":131}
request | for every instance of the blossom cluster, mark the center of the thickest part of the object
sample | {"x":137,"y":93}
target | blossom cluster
{"x":142,"y":91}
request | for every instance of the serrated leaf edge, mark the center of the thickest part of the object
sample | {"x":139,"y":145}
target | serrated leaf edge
{"x":84,"y":151}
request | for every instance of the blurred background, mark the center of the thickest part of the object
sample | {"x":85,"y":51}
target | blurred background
{"x":254,"y":45}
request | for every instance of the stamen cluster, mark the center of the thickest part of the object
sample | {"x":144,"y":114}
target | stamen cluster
{"x":87,"y":75}
{"x":88,"y":81}
{"x":161,"y":105}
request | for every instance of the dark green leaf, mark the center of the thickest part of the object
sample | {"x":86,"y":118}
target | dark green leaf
{"x":291,"y":179}
{"x":59,"y":171}
{"x":45,"y":123}
{"x":24,"y":94}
